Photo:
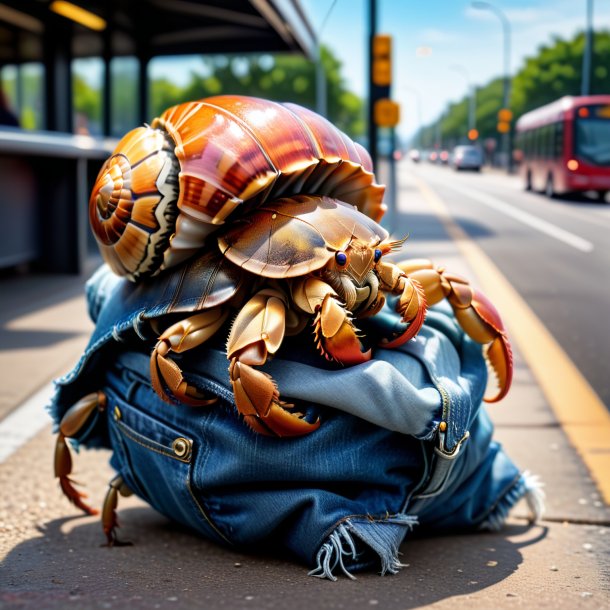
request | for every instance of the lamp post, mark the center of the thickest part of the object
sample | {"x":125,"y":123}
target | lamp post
{"x":472,"y":121}
{"x":321,"y":95}
{"x":488,"y":6}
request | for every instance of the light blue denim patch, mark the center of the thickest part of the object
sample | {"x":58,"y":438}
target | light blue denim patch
{"x":341,"y":498}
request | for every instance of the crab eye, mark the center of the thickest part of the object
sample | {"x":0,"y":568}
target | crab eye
{"x":341,"y":258}
{"x":378,"y":254}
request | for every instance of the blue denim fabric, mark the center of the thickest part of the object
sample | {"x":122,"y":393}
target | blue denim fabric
{"x":344,"y":496}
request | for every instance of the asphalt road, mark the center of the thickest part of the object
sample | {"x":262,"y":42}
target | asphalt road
{"x":554,"y":252}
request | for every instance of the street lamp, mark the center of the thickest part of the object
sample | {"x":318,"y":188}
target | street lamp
{"x":487,"y":6}
{"x":471,"y":96}
{"x":320,"y":76}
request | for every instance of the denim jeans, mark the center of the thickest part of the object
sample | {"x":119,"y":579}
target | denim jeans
{"x":343,"y":497}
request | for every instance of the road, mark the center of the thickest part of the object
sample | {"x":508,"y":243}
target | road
{"x":554,"y":252}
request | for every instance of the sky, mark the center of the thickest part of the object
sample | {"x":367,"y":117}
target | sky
{"x":465,"y":45}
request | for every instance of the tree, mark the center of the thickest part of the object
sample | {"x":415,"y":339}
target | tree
{"x":553,"y":72}
{"x":281,"y":77}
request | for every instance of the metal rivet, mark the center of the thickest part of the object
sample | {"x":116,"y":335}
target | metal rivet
{"x":274,"y":216}
{"x":181,"y":447}
{"x":117,"y":413}
{"x":442,"y":426}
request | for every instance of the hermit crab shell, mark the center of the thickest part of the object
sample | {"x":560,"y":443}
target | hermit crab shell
{"x":202,"y":164}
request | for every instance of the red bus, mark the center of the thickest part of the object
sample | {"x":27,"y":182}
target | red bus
{"x":564,"y":146}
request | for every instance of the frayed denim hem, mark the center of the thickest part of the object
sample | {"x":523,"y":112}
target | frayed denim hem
{"x":382,"y":536}
{"x":527,"y":486}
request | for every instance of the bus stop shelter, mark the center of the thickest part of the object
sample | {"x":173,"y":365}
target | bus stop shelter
{"x":46,"y":174}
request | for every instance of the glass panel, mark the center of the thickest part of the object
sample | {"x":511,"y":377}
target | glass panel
{"x":124,"y":104}
{"x":592,"y":135}
{"x":32,"y":104}
{"x":87,"y":83}
{"x":558,"y":140}
{"x":8,"y":97}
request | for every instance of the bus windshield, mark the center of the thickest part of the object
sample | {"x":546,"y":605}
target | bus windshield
{"x":592,"y":135}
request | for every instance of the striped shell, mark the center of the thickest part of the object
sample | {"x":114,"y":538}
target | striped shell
{"x":202,"y":164}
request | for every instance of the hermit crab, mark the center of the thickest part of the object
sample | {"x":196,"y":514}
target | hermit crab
{"x":200,"y":164}
{"x":270,"y":214}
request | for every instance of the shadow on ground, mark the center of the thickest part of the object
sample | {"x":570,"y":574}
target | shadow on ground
{"x":169,"y":567}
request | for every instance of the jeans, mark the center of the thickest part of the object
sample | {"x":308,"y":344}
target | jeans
{"x":343,"y":497}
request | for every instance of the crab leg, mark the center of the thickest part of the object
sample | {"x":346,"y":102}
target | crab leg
{"x":257,"y":332}
{"x":474,"y":312}
{"x":109,"y":519}
{"x":412,"y":304}
{"x":334,"y":331}
{"x":72,"y":422}
{"x":166,"y":376}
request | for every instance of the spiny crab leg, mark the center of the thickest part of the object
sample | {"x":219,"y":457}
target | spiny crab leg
{"x":166,"y":376}
{"x":71,"y":423}
{"x":473,"y":311}
{"x":258,"y":331}
{"x":109,"y":519}
{"x":412,"y":304}
{"x":334,"y":331}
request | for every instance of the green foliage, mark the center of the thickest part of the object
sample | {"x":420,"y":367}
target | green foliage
{"x":282,"y":77}
{"x":553,"y":72}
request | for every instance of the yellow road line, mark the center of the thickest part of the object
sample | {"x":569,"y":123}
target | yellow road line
{"x":577,"y":407}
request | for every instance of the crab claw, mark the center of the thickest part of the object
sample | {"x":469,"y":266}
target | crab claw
{"x":258,"y":330}
{"x":474,"y":312}
{"x":336,"y":335}
{"x":483,"y":323}
{"x":166,"y":376}
{"x":71,"y":424}
{"x":257,"y":399}
{"x":334,"y":332}
{"x":412,"y":304}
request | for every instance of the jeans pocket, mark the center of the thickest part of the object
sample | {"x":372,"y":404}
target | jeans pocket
{"x":156,"y":461}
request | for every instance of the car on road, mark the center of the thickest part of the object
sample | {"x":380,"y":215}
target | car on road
{"x":467,"y":157}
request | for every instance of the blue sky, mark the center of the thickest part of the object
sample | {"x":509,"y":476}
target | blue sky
{"x":465,"y":44}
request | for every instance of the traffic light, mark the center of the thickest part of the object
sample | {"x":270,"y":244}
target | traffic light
{"x":505,"y":116}
{"x":386,"y":113}
{"x":382,"y":60}
{"x":473,"y":134}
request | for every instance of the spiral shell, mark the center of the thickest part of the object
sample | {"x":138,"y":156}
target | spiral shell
{"x":200,"y":164}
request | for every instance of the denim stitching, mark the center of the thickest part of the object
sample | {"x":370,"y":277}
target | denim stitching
{"x":126,"y":430}
{"x":130,"y":434}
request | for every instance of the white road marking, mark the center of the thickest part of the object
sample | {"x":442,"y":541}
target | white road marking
{"x":25,"y":422}
{"x":528,"y":219}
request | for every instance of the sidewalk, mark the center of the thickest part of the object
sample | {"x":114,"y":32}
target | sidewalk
{"x":52,"y":558}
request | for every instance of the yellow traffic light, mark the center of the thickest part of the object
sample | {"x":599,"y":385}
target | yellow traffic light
{"x":386,"y":113}
{"x":503,"y":126}
{"x":505,"y":115}
{"x":473,"y":134}
{"x":381,"y":72}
